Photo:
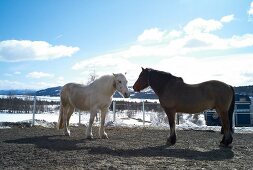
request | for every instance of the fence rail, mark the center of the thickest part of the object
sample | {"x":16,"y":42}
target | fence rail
{"x":116,"y":106}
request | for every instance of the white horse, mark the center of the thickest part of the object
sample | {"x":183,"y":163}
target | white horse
{"x":94,"y":98}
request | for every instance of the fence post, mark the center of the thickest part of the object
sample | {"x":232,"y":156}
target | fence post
{"x":114,"y":110}
{"x":79,"y":118}
{"x":34,"y":110}
{"x":143,"y":111}
{"x":177,"y":118}
{"x":233,"y":119}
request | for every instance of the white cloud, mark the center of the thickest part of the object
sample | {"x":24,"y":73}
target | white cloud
{"x":9,"y":84}
{"x":227,"y":18}
{"x":20,"y":50}
{"x":60,"y":81}
{"x":176,"y":51}
{"x":245,"y":40}
{"x":201,"y":25}
{"x":250,"y":11}
{"x":232,"y":69}
{"x":37,"y":75}
{"x":175,"y":33}
{"x":153,"y":34}
{"x":105,"y":65}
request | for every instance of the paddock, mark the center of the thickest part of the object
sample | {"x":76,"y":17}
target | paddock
{"x":127,"y":148}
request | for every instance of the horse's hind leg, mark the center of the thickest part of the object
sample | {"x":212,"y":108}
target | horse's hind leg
{"x":227,"y":136}
{"x":67,"y":113}
{"x":102,"y":133}
{"x":70,"y":112}
{"x":171,"y":117}
{"x":89,"y":128}
{"x":64,"y":120}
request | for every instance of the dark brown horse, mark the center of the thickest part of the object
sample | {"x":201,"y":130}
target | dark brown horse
{"x":177,"y":96}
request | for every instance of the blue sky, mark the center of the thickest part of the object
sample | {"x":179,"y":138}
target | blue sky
{"x":50,"y":43}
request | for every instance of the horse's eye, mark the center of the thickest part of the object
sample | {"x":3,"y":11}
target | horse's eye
{"x":119,"y":81}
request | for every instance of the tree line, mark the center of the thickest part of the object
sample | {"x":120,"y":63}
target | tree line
{"x":12,"y":104}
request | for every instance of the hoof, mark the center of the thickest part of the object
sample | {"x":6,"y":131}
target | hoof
{"x":104,"y":137}
{"x":226,"y":142}
{"x":171,"y":141}
{"x":222,"y":145}
{"x":67,"y":133}
{"x":89,"y":137}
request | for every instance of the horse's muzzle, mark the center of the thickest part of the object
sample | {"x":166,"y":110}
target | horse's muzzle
{"x":135,"y":88}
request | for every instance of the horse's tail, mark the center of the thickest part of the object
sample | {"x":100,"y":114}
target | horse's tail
{"x":60,"y":120}
{"x":231,"y":111}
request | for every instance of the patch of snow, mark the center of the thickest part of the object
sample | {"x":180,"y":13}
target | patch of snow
{"x":124,"y":118}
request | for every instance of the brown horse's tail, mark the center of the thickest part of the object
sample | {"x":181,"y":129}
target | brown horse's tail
{"x":60,"y":120}
{"x":231,"y":111}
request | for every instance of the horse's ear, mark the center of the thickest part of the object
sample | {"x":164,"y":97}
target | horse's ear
{"x":125,"y":73}
{"x":142,"y":68}
{"x":114,"y":74}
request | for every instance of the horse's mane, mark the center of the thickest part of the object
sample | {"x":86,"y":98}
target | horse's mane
{"x":165,"y":77}
{"x":161,"y":79}
{"x":105,"y":81}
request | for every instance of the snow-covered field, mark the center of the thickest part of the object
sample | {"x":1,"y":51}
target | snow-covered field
{"x":152,"y":120}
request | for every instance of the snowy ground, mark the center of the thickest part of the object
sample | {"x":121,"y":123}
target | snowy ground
{"x":152,"y":120}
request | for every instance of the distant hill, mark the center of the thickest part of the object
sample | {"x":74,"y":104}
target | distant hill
{"x":53,"y":91}
{"x":17,"y":92}
{"x":148,"y":94}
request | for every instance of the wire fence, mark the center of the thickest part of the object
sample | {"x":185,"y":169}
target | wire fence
{"x":42,"y":104}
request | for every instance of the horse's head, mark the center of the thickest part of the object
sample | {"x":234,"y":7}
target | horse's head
{"x":143,"y":81}
{"x":121,"y":84}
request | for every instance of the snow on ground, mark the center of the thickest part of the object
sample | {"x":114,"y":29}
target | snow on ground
{"x":125,"y":118}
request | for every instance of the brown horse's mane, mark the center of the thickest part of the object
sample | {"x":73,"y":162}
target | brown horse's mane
{"x":159,"y":79}
{"x":165,"y":76}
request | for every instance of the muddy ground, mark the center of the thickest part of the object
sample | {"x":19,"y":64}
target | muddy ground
{"x":127,"y":148}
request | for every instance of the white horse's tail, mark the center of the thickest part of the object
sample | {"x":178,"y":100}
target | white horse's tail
{"x":60,"y":120}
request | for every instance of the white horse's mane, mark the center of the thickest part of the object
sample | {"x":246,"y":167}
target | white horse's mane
{"x":103,"y":82}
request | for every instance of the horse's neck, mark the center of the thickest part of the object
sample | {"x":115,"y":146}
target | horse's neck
{"x":157,"y":85}
{"x":106,"y":86}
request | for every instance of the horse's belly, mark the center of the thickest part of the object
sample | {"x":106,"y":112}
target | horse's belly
{"x":82,"y":107}
{"x":197,"y":108}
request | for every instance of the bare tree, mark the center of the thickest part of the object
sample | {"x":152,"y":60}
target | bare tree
{"x":92,"y":76}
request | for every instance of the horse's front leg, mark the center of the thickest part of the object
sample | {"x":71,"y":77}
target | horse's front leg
{"x":171,"y":140}
{"x":102,"y":133}
{"x":89,"y":134}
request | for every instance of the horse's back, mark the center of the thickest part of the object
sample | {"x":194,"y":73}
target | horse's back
{"x":221,"y":92}
{"x":214,"y":94}
{"x":193,"y":98}
{"x":75,"y":95}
